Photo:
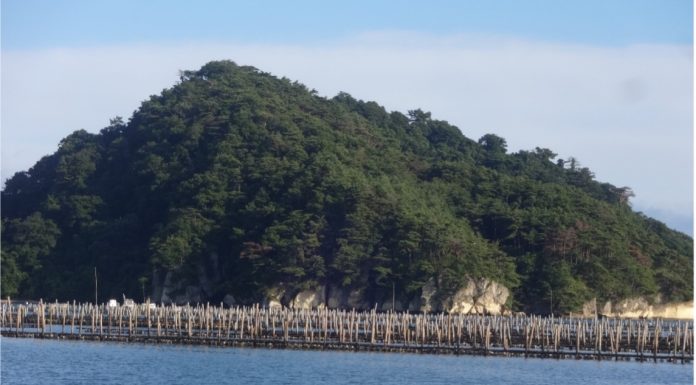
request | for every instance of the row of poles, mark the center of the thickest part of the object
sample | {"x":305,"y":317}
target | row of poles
{"x":560,"y":337}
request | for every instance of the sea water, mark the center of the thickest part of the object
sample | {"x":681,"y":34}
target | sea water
{"x":30,"y":361}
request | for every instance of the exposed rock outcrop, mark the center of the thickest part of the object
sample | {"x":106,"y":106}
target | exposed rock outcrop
{"x":274,"y":297}
{"x":640,"y":307}
{"x":272,"y":304}
{"x":477,"y":296}
{"x":682,"y":310}
{"x":589,"y":308}
{"x":481,"y":296}
{"x":308,"y":299}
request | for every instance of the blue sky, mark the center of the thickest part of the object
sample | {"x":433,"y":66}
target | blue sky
{"x":608,"y":82}
{"x":46,"y":23}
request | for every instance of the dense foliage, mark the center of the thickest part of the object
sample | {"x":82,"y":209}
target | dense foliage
{"x":257,"y":181}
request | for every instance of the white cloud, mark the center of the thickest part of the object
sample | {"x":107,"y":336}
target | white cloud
{"x":624,"y":112}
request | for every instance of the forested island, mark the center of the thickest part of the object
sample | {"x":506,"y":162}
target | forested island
{"x":237,"y":186}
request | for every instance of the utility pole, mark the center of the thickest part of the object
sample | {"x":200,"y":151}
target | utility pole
{"x":96,"y":298}
{"x":551,"y":302}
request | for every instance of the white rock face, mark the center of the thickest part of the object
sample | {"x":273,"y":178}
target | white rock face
{"x":631,"y":308}
{"x":273,"y":304}
{"x":682,"y":310}
{"x":589,"y":308}
{"x":274,"y":297}
{"x":309,"y":299}
{"x":336,"y":298}
{"x":481,"y":296}
{"x":640,"y":307}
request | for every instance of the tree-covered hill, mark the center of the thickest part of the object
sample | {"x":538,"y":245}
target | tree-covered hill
{"x":255,"y":182}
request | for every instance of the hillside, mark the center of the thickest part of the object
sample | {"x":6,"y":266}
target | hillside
{"x":237,"y":183}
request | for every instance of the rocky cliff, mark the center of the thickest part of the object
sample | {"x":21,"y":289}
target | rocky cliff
{"x":640,"y":307}
{"x":478,"y":296}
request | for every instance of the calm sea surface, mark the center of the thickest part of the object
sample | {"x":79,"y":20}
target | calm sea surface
{"x":27,"y":362}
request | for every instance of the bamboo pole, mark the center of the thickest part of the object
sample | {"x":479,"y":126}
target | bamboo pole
{"x":331,"y":328}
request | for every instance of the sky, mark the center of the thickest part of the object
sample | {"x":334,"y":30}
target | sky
{"x":608,"y":82}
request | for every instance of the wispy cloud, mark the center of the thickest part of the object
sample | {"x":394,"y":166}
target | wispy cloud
{"x":624,"y":112}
